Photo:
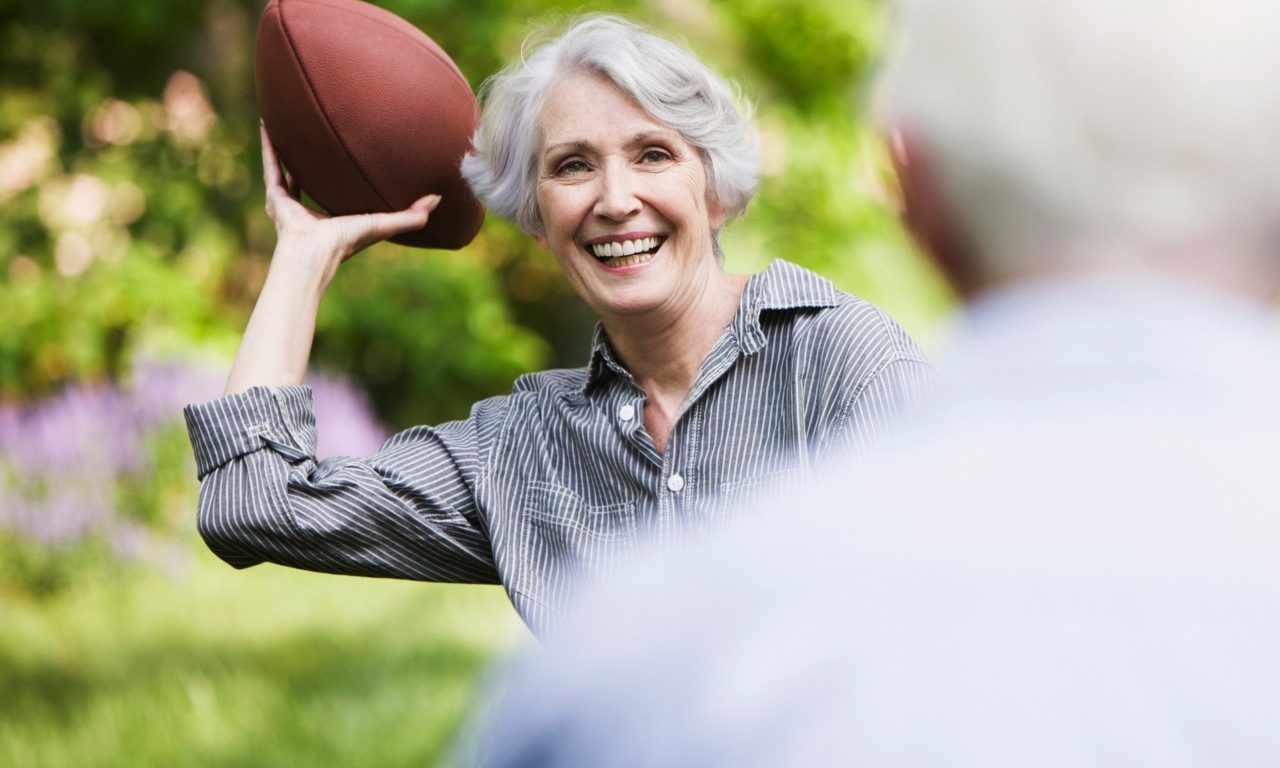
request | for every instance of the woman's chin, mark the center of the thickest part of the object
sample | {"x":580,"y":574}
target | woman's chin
{"x":634,"y":301}
{"x":628,"y":288}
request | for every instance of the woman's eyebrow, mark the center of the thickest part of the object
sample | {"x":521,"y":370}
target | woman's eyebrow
{"x":651,"y":136}
{"x":638,"y":139}
{"x":566,"y":146}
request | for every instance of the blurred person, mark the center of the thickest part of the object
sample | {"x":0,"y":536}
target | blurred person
{"x":624,"y":156}
{"x":1071,"y":559}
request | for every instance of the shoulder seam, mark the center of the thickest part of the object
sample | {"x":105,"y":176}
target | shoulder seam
{"x":891,"y":358}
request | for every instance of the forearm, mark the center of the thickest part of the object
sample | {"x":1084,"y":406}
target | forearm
{"x":276,"y":345}
{"x":311,"y":245}
{"x":265,"y":498}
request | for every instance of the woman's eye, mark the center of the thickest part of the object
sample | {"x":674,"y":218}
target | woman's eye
{"x":570,"y":166}
{"x":655,"y":156}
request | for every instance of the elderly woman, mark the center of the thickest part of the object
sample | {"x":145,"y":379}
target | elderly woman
{"x":624,"y":156}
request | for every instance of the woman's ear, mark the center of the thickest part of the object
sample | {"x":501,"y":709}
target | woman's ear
{"x":716,"y":215}
{"x":540,"y":238}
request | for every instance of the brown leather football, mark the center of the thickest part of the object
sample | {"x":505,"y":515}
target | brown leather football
{"x":367,"y":113}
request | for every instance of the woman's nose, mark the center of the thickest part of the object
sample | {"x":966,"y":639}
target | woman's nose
{"x":617,"y":199}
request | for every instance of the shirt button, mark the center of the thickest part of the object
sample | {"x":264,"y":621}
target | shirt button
{"x":675,"y":483}
{"x":627,"y":412}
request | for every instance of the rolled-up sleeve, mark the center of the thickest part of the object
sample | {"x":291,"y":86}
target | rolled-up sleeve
{"x":409,"y":511}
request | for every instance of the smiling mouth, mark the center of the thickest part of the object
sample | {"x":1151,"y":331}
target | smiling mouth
{"x":626,"y":253}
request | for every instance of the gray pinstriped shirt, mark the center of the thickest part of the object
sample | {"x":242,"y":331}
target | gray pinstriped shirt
{"x":558,"y":480}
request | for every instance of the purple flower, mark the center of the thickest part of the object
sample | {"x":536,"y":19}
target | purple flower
{"x":345,"y":424}
{"x":73,"y":466}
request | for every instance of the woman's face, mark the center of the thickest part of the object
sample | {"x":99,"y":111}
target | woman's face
{"x":623,"y":201}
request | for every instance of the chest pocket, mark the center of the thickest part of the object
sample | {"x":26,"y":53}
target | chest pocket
{"x":741,"y":497}
{"x":564,"y":540}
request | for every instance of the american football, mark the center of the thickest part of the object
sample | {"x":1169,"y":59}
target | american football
{"x":367,"y":113}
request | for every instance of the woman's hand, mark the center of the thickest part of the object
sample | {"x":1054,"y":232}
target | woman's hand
{"x":338,"y":237}
{"x":276,"y":344}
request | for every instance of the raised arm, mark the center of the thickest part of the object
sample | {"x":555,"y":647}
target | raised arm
{"x":309,"y":248}
{"x":409,"y":511}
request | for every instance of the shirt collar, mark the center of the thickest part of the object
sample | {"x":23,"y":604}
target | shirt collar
{"x":781,"y":287}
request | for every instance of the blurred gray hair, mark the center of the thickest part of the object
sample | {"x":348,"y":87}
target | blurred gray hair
{"x":665,"y":79}
{"x":1078,"y":134}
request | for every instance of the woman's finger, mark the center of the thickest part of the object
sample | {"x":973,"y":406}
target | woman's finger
{"x":380,"y":226}
{"x":291,"y":185}
{"x":270,"y":164}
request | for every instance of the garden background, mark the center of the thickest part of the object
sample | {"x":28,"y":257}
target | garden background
{"x":132,"y":244}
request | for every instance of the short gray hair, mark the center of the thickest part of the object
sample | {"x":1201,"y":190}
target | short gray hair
{"x":1069,"y":134}
{"x":665,"y":79}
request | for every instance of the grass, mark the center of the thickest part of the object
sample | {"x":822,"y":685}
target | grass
{"x":266,"y":667}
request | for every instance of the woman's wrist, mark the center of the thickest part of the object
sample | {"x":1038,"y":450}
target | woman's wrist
{"x":306,"y":261}
{"x":277,"y":341}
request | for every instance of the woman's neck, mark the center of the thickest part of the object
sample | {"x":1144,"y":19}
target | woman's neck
{"x":664,"y":350}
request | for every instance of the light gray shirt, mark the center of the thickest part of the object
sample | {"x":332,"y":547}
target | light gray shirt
{"x":1071,"y":561}
{"x":558,"y":480}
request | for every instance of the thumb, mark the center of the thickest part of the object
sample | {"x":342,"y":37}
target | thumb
{"x":380,"y":226}
{"x":427,"y":202}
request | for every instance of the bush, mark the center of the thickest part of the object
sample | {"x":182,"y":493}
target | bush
{"x":99,"y":476}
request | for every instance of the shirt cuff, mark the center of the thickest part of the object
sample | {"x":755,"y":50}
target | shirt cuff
{"x":280,"y":418}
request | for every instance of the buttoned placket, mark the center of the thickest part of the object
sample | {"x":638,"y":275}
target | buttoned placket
{"x":626,"y":410}
{"x":676,"y":480}
{"x":680,"y":461}
{"x":680,"y":470}
{"x":673,"y":474}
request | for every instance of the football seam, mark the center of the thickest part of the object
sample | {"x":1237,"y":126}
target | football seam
{"x":451,"y":65}
{"x":315,"y":98}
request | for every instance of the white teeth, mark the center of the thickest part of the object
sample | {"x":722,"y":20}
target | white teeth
{"x":624,"y":248}
{"x":627,"y":261}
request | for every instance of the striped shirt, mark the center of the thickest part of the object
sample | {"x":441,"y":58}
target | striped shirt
{"x":557,"y":481}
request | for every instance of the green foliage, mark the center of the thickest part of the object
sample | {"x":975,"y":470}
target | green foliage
{"x":809,"y":55}
{"x":34,"y":570}
{"x":828,"y":202}
{"x":125,"y":202}
{"x":266,"y":668}
{"x":426,"y":333}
